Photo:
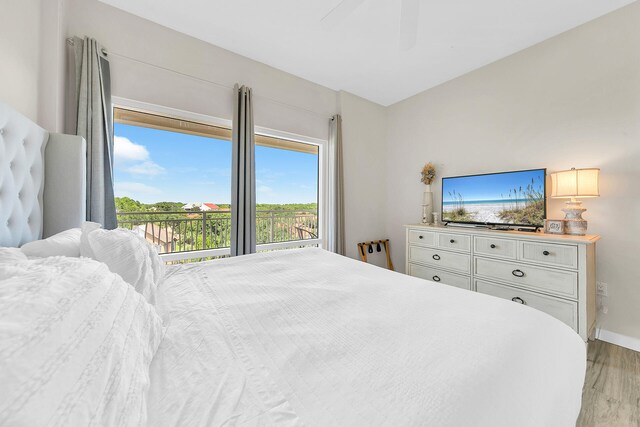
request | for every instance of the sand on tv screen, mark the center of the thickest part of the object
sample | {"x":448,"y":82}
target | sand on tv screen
{"x":514,"y":198}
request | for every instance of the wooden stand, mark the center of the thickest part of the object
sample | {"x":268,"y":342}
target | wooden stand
{"x":362,"y":250}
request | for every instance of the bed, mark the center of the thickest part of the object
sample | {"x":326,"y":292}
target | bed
{"x":304,"y":337}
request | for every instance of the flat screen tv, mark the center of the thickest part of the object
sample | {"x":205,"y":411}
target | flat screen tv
{"x":507,"y":198}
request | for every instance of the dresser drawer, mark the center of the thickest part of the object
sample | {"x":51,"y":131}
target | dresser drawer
{"x":454,"y":241}
{"x":495,"y":247}
{"x":420,"y":237}
{"x":439,"y":258}
{"x":440,"y":276}
{"x":565,"y":311}
{"x":549,"y":254}
{"x":558,"y":282}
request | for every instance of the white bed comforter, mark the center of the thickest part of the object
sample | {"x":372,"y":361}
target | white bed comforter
{"x":306,"y":337}
{"x":76,"y":343}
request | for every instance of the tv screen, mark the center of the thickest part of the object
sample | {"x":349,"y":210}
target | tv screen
{"x":506,"y":198}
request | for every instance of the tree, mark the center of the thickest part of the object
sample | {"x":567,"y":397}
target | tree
{"x":168,"y":206}
{"x":126,"y":204}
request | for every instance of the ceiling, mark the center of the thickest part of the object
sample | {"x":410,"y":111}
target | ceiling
{"x":361,"y":54}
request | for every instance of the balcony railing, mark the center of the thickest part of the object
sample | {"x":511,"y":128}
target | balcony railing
{"x":186,"y":231}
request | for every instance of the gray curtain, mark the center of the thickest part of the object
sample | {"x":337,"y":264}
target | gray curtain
{"x":335,"y":226}
{"x":243,"y":175}
{"x":94,"y":123}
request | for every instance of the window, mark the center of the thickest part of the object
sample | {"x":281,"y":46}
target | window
{"x":287,"y":183}
{"x":172,"y":182}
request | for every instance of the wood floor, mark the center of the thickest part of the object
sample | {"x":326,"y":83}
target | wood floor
{"x":611,"y":394}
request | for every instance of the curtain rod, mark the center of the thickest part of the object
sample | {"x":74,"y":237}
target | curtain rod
{"x":275,"y":101}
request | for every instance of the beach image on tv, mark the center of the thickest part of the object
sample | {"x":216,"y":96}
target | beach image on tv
{"x":503,"y":198}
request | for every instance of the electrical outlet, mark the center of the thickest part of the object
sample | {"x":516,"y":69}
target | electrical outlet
{"x":602,"y":304}
{"x":602,"y":289}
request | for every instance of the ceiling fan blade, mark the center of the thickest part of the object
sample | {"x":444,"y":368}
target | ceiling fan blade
{"x":340,"y":13}
{"x":409,"y":24}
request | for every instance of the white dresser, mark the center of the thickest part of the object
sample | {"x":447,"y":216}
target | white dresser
{"x":552,"y":273}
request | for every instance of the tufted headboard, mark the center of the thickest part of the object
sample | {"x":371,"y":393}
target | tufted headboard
{"x":42,"y":180}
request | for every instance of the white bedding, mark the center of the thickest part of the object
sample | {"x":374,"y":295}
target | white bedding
{"x":76,"y":343}
{"x":305,"y":337}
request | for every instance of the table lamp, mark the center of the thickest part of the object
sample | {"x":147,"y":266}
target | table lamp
{"x":573,"y":184}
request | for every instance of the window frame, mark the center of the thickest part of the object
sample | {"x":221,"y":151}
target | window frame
{"x":322,"y":185}
{"x":158,"y":110}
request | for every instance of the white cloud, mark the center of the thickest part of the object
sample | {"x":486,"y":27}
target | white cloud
{"x":264,"y":189}
{"x":125,"y":150}
{"x":268,"y":175}
{"x":148,"y":168}
{"x":134,"y":188}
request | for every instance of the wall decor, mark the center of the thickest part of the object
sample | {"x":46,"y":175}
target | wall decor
{"x":428,"y":176}
{"x":554,"y":226}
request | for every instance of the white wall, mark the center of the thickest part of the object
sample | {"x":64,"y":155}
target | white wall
{"x":573,"y":100}
{"x":282,"y":101}
{"x":19,"y":55}
{"x":364,"y":135}
{"x":52,"y":65}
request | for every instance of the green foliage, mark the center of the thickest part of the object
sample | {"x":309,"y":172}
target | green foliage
{"x":290,"y":207}
{"x":459,"y":212}
{"x":167,"y":206}
{"x":529,"y":211}
{"x":177,"y":230}
{"x":460,"y":215}
{"x":126,"y":204}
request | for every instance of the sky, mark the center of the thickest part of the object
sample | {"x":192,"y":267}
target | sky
{"x":153,"y":165}
{"x":491,"y":187}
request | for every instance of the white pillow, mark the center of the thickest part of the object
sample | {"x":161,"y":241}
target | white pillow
{"x":77,"y":343}
{"x":66,"y":243}
{"x":130,"y":256}
{"x":85,"y":248}
{"x":11,"y":256}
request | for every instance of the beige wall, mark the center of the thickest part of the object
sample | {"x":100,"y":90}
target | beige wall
{"x":364,"y":134}
{"x":282,"y":101}
{"x":573,"y":100}
{"x":19,"y":55}
{"x":52,"y":65}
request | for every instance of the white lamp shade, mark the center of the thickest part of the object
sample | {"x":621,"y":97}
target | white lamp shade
{"x":575,"y":183}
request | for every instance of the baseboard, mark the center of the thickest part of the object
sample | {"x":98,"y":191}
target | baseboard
{"x":618,"y":339}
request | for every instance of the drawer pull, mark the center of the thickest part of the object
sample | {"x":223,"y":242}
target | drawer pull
{"x":421,"y":237}
{"x":518,"y":273}
{"x":452,"y":241}
{"x":493,"y":246}
{"x":545,"y":253}
{"x":436,"y":257}
{"x":518,"y":300}
{"x":436,"y":278}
